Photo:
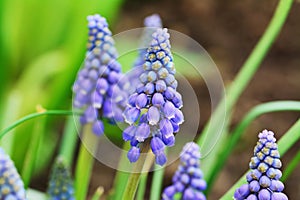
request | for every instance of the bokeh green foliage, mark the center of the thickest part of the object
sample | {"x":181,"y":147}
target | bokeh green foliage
{"x":42,"y":45}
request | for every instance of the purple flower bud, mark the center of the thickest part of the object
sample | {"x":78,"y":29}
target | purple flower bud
{"x":160,"y":158}
{"x":97,"y":100}
{"x":142,"y":132}
{"x":188,"y":194}
{"x":199,"y":183}
{"x":90,"y":114}
{"x":254,"y":186}
{"x":169,"y":192}
{"x":160,"y":86}
{"x":157,"y":145}
{"x":264,"y":194}
{"x":131,"y":115}
{"x":264,"y":182}
{"x":102,"y":86}
{"x":158,"y":99}
{"x":153,"y":115}
{"x":242,"y":192}
{"x":178,"y":118}
{"x":149,"y":88}
{"x":166,"y":127}
{"x":276,"y":186}
{"x":113,"y":77}
{"x":133,"y":154}
{"x":151,"y":77}
{"x":129,"y":133}
{"x":98,"y":128}
{"x":169,"y":110}
{"x":132,"y":99}
{"x":141,"y":101}
{"x":168,"y":140}
{"x":279,"y":196}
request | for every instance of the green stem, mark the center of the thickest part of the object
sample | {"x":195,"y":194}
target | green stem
{"x":157,"y":183}
{"x":291,"y":167}
{"x":229,"y":145}
{"x":210,"y":135}
{"x":34,"y":115}
{"x":142,"y":187}
{"x":134,"y":177}
{"x":69,"y":141}
{"x":85,"y":162}
{"x":284,"y":144}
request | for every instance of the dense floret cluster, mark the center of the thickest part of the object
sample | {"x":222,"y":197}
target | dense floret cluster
{"x":188,"y":180}
{"x":153,"y":111}
{"x":11,"y":185}
{"x":60,"y":184}
{"x":263,"y":179}
{"x":97,"y":90}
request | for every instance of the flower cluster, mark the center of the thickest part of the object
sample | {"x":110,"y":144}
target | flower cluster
{"x":11,"y":185}
{"x":263,"y":179}
{"x":60,"y":184}
{"x":97,"y":89}
{"x":153,"y":111}
{"x":188,"y":179}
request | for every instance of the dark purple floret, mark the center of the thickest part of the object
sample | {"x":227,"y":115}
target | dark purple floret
{"x":97,"y":89}
{"x":188,"y":179}
{"x":263,"y":179}
{"x":156,"y":117}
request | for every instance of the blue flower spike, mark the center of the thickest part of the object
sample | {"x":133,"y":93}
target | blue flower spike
{"x":153,"y":110}
{"x":97,"y":88}
{"x":11,"y":185}
{"x":263,"y":179}
{"x":61,"y":184}
{"x":188,"y":179}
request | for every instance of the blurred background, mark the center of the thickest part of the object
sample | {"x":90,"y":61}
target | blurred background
{"x":42,"y":46}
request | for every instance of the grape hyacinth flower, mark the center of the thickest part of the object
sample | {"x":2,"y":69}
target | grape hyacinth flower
{"x":96,"y":89}
{"x":60,"y":184}
{"x":11,"y":185}
{"x":153,"y":111}
{"x":188,"y":179}
{"x":263,"y":179}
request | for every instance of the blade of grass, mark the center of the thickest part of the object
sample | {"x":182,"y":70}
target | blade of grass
{"x":142,"y":187}
{"x":69,"y":141}
{"x":85,"y":162}
{"x":157,"y":183}
{"x":291,"y":167}
{"x":209,"y":135}
{"x":231,"y":141}
{"x":32,"y":152}
{"x":284,"y":144}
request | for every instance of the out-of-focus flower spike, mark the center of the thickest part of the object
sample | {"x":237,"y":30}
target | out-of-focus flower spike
{"x":98,"y":91}
{"x":11,"y":185}
{"x":188,"y":179}
{"x":263,"y":179}
{"x":60,"y":184}
{"x":154,"y":107}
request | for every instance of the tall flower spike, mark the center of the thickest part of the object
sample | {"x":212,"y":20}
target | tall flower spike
{"x":153,"y":111}
{"x":97,"y":89}
{"x":60,"y":184}
{"x":11,"y":185}
{"x":188,"y":179}
{"x":263,"y":179}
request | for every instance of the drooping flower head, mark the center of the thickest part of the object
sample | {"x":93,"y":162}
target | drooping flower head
{"x":96,"y":88}
{"x":263,"y":179}
{"x":60,"y":184}
{"x":188,"y":179}
{"x":11,"y":185}
{"x":153,"y":111}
